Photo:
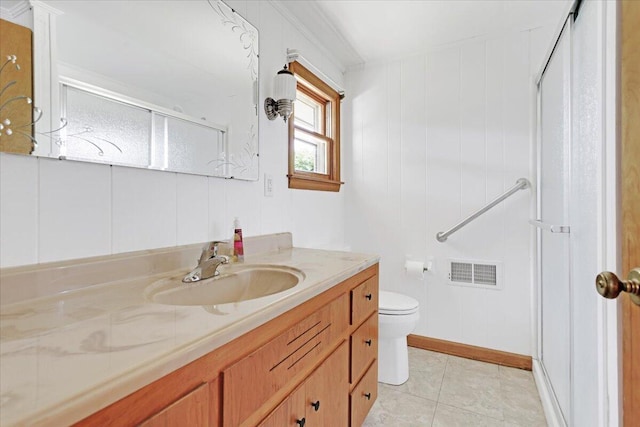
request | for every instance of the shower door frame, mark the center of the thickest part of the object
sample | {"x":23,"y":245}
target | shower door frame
{"x":552,"y":400}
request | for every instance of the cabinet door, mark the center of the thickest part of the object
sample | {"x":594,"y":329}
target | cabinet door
{"x":191,"y":410}
{"x":290,"y":413}
{"x":327,"y":391}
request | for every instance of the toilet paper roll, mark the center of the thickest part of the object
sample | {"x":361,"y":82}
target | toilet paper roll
{"x":415,"y":269}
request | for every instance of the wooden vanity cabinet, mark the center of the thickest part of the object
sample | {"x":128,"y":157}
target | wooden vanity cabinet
{"x":316,"y":362}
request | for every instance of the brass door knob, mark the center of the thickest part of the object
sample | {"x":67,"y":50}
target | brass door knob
{"x":609,"y":286}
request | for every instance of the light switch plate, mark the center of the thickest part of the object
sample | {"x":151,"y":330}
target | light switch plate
{"x":268,"y":185}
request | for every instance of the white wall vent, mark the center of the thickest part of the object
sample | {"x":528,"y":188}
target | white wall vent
{"x":486,"y":274}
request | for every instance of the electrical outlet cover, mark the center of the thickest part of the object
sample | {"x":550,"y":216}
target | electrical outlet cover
{"x":268,"y":185}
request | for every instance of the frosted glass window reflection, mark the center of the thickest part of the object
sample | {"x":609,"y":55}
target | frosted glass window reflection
{"x":194,"y":147}
{"x":104,"y":130}
{"x":107,"y":130}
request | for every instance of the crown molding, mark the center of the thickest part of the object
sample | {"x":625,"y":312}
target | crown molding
{"x":340,"y":52}
{"x":44,"y":6}
{"x":15,"y":11}
{"x":20,"y":8}
{"x":321,"y":17}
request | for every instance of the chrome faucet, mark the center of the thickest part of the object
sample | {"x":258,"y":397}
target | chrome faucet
{"x":207,"y":264}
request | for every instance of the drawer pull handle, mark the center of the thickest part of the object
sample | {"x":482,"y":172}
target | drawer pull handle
{"x":368,"y":342}
{"x":368,"y":296}
{"x":316,"y":405}
{"x":368,"y":396}
{"x":301,"y":422}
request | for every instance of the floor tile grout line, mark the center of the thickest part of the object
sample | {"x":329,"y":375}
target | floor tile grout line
{"x":444,"y":372}
{"x":471,"y":412}
{"x":464,"y":409}
{"x":435,"y":411}
{"x":500,"y":393}
{"x":417,"y":397}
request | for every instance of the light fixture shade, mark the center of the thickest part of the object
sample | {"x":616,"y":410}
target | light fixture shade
{"x":284,"y":85}
{"x":284,"y":94}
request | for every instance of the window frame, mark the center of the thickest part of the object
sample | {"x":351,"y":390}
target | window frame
{"x":311,"y":85}
{"x":317,"y":99}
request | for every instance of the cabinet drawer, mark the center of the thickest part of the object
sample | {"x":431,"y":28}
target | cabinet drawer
{"x":364,"y":347}
{"x":364,"y":300}
{"x":364,"y":395}
{"x":248,"y":383}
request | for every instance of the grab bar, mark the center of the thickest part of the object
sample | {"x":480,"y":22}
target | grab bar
{"x":521,"y":184}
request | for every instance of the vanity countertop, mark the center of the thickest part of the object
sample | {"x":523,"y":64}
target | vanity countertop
{"x":66,"y":355}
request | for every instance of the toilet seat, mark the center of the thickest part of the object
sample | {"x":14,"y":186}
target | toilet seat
{"x":392,"y":303}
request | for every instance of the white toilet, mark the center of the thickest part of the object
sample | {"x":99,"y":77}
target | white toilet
{"x":397,"y":318}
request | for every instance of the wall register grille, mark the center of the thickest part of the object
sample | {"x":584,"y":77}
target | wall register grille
{"x":475,"y":273}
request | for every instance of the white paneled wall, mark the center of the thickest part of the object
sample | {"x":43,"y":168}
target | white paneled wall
{"x":19,"y":215}
{"x":432,"y":138}
{"x":54,"y":210}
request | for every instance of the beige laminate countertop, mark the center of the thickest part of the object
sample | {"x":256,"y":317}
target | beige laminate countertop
{"x":67,"y":355}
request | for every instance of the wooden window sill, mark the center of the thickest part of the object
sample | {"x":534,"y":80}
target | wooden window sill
{"x":312,"y":183}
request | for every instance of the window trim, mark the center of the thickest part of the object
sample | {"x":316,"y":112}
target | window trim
{"x":309,"y":82}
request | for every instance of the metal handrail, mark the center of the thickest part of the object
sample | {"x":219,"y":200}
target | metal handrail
{"x":521,"y":184}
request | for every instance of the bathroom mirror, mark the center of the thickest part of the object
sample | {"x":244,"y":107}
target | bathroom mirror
{"x":167,"y":84}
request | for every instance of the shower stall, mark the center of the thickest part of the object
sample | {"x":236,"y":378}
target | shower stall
{"x":573,"y":223}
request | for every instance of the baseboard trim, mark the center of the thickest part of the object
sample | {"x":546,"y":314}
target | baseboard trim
{"x":471,"y":352}
{"x":549,"y":403}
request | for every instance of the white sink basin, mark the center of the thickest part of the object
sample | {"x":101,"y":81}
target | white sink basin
{"x":235,"y":284}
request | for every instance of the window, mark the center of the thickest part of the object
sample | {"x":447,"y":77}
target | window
{"x":314,"y":134}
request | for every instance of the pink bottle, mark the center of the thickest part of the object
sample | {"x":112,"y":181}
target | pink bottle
{"x":238,"y":248}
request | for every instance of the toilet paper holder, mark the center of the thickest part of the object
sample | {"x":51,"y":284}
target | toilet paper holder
{"x":417,"y":267}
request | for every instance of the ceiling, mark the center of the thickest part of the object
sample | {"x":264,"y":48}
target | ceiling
{"x":381,"y":30}
{"x":359,"y":31}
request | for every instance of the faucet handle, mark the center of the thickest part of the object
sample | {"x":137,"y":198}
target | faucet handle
{"x":210,"y":250}
{"x":217,"y":245}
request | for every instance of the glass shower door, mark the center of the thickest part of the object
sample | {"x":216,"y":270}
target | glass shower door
{"x":553,"y":240}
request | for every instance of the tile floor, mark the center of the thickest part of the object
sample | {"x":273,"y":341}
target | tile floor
{"x":449,"y":391}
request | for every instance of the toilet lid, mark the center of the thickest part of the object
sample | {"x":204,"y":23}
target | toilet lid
{"x":394,"y":303}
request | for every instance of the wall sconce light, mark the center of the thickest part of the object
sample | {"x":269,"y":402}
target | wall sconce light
{"x":284,"y":93}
